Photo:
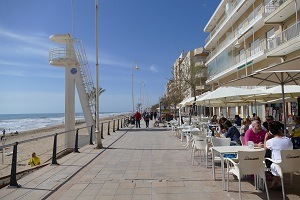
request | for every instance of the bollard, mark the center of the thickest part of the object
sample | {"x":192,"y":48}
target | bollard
{"x":118,"y":127}
{"x":114,"y":126}
{"x":13,"y":176}
{"x":54,"y":162}
{"x":108,"y":128}
{"x":91,"y":136}
{"x":76,"y":142}
{"x":102,"y":131}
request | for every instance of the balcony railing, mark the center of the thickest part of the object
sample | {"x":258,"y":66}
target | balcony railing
{"x":238,"y":61}
{"x":224,"y":18}
{"x":284,"y":36}
{"x":255,"y":14}
{"x":273,"y":5}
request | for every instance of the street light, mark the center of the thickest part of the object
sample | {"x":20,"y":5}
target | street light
{"x":134,"y":68}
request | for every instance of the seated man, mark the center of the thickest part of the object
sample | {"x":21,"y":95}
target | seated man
{"x":270,"y":119}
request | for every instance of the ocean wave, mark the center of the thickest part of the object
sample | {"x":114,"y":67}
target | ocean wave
{"x":24,"y":122}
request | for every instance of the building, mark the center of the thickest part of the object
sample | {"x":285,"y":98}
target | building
{"x":189,"y":74}
{"x":247,"y":35}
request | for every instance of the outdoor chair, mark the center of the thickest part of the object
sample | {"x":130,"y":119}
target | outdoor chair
{"x":199,"y":144}
{"x":215,"y":141}
{"x":249,"y":162}
{"x":290,"y":161}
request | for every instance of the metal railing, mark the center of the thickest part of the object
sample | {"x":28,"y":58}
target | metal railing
{"x":284,"y":36}
{"x":111,"y":125}
{"x":224,"y":18}
{"x":243,"y":26}
{"x":273,"y":5}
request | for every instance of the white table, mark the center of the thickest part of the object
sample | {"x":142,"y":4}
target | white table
{"x":227,"y":150}
{"x":180,"y":129}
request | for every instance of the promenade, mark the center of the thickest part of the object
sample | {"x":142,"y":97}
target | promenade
{"x":136,"y":164}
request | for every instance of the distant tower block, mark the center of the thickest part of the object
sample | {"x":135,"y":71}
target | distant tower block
{"x":77,"y":72}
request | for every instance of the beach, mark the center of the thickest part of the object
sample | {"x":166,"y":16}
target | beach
{"x":44,"y":147}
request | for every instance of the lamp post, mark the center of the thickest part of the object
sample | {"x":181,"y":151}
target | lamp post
{"x":135,"y":68}
{"x":98,"y":136}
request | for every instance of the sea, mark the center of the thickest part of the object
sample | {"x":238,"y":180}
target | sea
{"x":25,"y":122}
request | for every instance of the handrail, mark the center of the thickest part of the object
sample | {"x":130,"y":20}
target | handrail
{"x":284,"y":36}
{"x":224,"y":18}
{"x":273,"y":5}
{"x":239,"y":30}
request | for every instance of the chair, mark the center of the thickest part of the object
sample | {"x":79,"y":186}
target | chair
{"x":189,"y":133}
{"x":249,"y":162}
{"x":215,"y":141}
{"x":290,"y":160}
{"x":199,"y":144}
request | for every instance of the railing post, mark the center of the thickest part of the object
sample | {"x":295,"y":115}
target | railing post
{"x":114,"y":130}
{"x":91,"y":135}
{"x":121,"y":123}
{"x":118,"y":127}
{"x":13,"y":176}
{"x":102,"y":131}
{"x":54,"y":162}
{"x":108,"y":127}
{"x":76,"y":142}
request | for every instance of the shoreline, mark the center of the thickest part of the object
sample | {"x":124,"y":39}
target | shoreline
{"x":43,"y":147}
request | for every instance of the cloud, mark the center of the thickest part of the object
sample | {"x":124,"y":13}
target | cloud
{"x":153,"y":69}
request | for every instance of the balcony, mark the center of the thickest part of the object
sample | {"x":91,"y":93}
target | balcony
{"x":280,"y":10}
{"x":237,"y":8}
{"x":223,"y":69}
{"x":254,"y":19}
{"x":285,"y":42}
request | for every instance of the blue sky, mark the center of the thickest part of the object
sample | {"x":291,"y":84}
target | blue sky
{"x":150,"y":33}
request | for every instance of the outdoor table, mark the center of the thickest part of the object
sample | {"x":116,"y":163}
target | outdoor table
{"x":228,"y":150}
{"x":180,"y":129}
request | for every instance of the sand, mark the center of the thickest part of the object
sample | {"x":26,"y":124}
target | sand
{"x":44,"y":147}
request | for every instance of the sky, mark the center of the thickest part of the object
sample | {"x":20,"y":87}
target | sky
{"x":147,"y":33}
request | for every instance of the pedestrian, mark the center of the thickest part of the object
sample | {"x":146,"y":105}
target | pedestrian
{"x":151,"y":115}
{"x":146,"y":119}
{"x":3,"y":132}
{"x":138,"y":118}
{"x":155,"y":115}
{"x":34,"y":160}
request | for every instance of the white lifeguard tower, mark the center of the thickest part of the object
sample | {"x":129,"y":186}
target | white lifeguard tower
{"x":74,"y":59}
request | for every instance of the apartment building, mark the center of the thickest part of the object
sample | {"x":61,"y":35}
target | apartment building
{"x":189,"y":72}
{"x":247,"y":35}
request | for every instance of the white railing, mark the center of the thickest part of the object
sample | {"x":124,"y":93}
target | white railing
{"x":237,"y":61}
{"x":284,"y":36}
{"x":86,"y":75}
{"x":255,"y":14}
{"x":273,"y":5}
{"x":224,"y":18}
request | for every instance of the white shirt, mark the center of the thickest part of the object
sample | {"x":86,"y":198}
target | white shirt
{"x":276,"y":144}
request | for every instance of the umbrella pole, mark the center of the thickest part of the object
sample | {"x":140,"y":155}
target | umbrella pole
{"x":283,"y":103}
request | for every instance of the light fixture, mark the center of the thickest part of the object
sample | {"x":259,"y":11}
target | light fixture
{"x":237,"y":44}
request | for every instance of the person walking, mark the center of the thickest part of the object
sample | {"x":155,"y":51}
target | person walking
{"x":138,"y":118}
{"x":155,"y":115}
{"x":146,"y":119}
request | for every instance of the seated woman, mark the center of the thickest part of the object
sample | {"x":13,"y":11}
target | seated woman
{"x":232,"y":132}
{"x":275,"y":144}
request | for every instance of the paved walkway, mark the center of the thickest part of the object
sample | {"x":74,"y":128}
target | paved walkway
{"x":137,"y":164}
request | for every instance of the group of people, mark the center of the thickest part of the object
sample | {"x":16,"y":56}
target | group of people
{"x":146,"y":116}
{"x":268,"y":135}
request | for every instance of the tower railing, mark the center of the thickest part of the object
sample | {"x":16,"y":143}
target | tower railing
{"x":86,"y":74}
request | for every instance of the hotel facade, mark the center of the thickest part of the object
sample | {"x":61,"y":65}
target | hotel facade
{"x":248,"y":35}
